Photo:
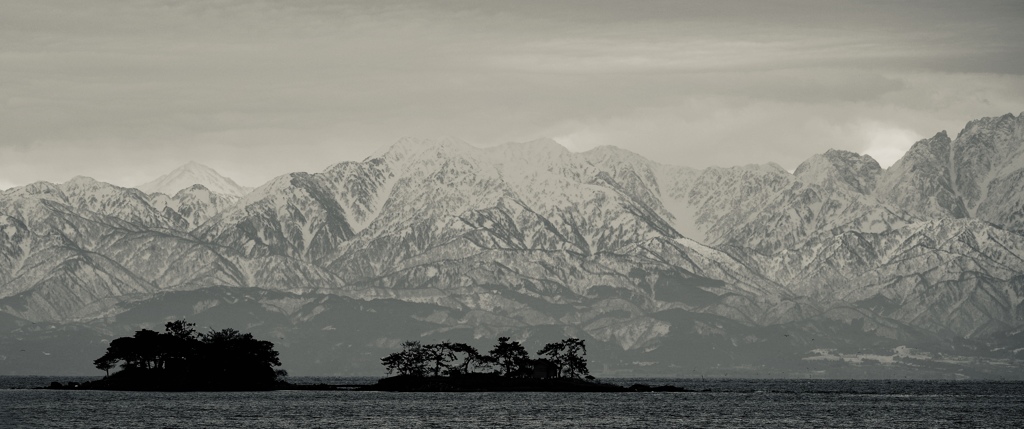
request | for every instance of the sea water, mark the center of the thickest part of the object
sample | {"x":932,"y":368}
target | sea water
{"x":717,"y":403}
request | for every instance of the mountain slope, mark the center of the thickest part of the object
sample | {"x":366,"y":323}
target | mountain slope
{"x":975,"y":175}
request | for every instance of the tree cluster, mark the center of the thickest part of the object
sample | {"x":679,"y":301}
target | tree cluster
{"x":566,"y":356}
{"x":507,"y":358}
{"x":225,"y":358}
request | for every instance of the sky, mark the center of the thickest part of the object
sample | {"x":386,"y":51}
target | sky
{"x":126,"y":91}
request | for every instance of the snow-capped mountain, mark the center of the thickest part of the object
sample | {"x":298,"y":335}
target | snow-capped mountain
{"x":193,"y":173}
{"x":976,"y":175}
{"x":663,"y":268}
{"x":193,"y":205}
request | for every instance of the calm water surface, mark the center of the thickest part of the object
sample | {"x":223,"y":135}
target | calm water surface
{"x":723,"y":403}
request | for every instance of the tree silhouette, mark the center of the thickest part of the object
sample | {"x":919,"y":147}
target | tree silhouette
{"x":509,"y":356}
{"x":235,"y":357}
{"x":181,"y":329}
{"x":141,"y":351}
{"x":392,"y":363}
{"x":105,"y":363}
{"x":412,"y":360}
{"x":439,"y":355}
{"x":566,"y":357}
{"x":471,"y":359}
{"x":180,"y":356}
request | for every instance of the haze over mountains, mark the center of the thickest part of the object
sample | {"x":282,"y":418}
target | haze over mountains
{"x":840,"y":268}
{"x":193,"y":173}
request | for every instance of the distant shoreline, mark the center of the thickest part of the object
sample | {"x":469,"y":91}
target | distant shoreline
{"x":489,"y":383}
{"x":402,"y":383}
{"x":709,"y":385}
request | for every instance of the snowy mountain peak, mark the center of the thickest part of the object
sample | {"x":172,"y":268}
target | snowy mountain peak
{"x":84,"y":183}
{"x":990,"y":124}
{"x":859,"y":172}
{"x":614,"y":152}
{"x":198,"y":188}
{"x":190,"y":174}
{"x":406,"y":147}
{"x":544,"y":151}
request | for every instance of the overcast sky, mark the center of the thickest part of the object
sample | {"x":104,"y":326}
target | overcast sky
{"x":126,"y":91}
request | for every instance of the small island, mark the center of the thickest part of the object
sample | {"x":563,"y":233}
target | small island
{"x":459,"y":367}
{"x":182,"y":359}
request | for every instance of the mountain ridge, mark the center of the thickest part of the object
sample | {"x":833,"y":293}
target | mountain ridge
{"x":530,"y":239}
{"x":193,"y":173}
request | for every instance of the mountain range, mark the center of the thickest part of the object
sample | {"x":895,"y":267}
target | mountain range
{"x":838,"y":269}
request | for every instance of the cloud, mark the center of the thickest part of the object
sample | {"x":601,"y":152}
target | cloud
{"x":887,"y":143}
{"x":724,"y":130}
{"x":4,"y":184}
{"x":125,"y":91}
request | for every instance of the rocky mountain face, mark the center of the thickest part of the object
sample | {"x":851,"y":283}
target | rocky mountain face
{"x":976,"y":175}
{"x":192,"y":206}
{"x":841,"y":268}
